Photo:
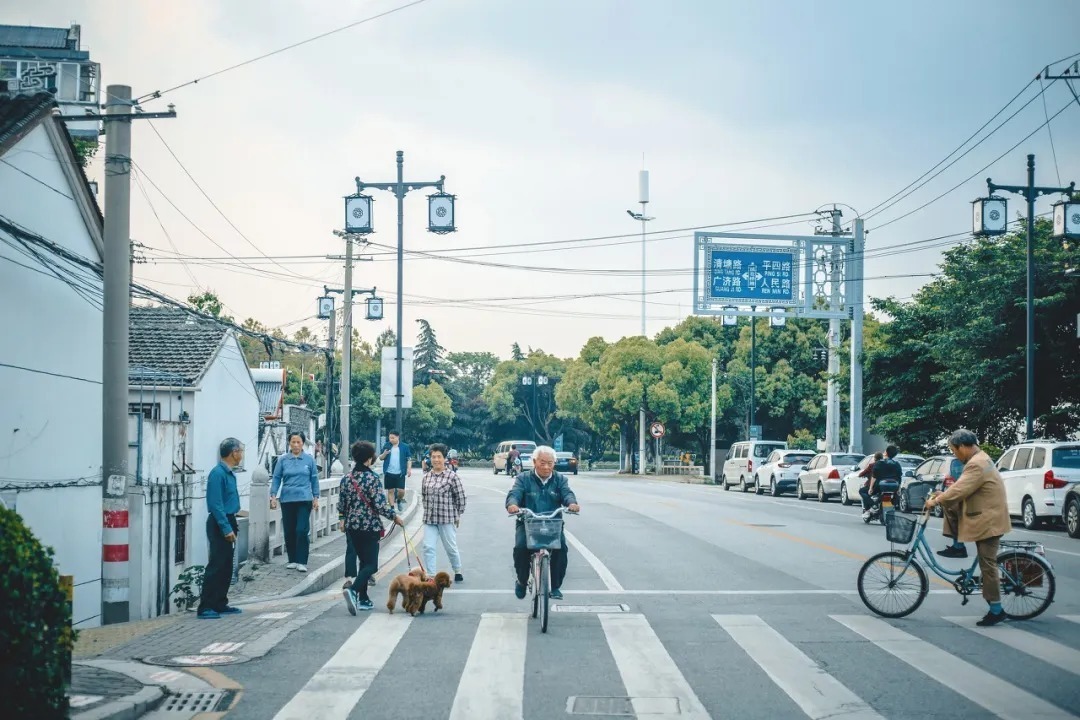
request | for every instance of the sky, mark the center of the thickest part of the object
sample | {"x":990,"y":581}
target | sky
{"x":540,"y":115}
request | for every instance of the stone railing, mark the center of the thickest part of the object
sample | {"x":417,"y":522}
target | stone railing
{"x":265,"y":535}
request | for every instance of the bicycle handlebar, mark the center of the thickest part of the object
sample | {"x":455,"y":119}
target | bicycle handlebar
{"x":526,"y":512}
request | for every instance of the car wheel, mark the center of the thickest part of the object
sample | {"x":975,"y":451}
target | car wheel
{"x":1072,"y":517}
{"x":757,"y":485}
{"x":495,"y":469}
{"x":723,"y":479}
{"x":1031,"y":520}
{"x":821,"y":496}
{"x":742,"y":483}
{"x":938,"y":511}
{"x":904,"y":505}
{"x":844,"y":499}
{"x":774,"y":489}
{"x":799,"y":492}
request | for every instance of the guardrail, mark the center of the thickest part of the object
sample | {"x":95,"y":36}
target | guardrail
{"x":265,"y":534}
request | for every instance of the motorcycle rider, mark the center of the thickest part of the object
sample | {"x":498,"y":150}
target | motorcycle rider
{"x":886,"y":476}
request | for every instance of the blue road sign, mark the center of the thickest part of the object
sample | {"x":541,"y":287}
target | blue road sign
{"x":753,"y":275}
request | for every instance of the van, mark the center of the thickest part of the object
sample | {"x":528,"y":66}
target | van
{"x":745,"y":457}
{"x":1037,"y":475}
{"x":525,"y":447}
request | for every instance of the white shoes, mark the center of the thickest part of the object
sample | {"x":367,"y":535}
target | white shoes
{"x":301,"y":568}
{"x":290,"y":566}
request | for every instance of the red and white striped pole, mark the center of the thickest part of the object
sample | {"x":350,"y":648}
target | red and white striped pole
{"x":115,"y":572}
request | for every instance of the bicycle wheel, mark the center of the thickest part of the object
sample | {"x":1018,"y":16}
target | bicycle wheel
{"x":891,"y":586}
{"x":1027,"y":584}
{"x":545,"y":591}
{"x":534,"y":583}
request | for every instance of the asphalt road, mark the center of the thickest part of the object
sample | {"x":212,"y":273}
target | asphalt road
{"x":711,"y":604}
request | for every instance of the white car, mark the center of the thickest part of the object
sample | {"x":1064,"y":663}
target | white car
{"x":849,"y":486}
{"x":821,"y":476}
{"x":780,"y":471}
{"x":1037,"y":476}
{"x":743,"y":458}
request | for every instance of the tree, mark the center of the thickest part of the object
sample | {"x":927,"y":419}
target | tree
{"x":510,"y":400}
{"x":468,"y":373}
{"x":207,"y":302}
{"x":84,"y":150}
{"x":430,"y":417}
{"x":304,"y":336}
{"x":387,"y":338}
{"x":515,"y":353}
{"x":428,"y":358}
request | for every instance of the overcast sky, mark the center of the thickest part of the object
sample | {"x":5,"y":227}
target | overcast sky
{"x":540,"y":115}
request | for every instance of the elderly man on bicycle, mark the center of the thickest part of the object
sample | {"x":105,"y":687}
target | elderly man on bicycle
{"x":541,"y":490}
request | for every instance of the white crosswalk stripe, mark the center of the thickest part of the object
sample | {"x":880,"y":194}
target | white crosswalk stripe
{"x":1070,"y":618}
{"x":493,"y":682}
{"x":1046,"y":650}
{"x":333,"y":691}
{"x":646,"y":668}
{"x":993,"y":693}
{"x":819,"y":694}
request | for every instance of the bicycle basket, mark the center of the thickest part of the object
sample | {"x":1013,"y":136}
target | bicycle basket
{"x":899,"y":529}
{"x":543,"y":533}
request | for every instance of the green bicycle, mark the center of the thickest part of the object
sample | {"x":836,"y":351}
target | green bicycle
{"x":893,"y":584}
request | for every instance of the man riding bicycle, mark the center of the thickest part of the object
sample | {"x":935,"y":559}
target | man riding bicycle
{"x":886,"y":477}
{"x":540,"y":490}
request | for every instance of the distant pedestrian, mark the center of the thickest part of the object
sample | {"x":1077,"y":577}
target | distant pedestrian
{"x":444,"y":502}
{"x":296,"y":483}
{"x":397,"y":466}
{"x":361,"y":501}
{"x":222,"y":504}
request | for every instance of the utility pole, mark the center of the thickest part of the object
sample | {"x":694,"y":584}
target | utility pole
{"x":1030,"y":192}
{"x":643,"y":198}
{"x":855,"y":275}
{"x":753,"y":373}
{"x":832,"y":407}
{"x":116,"y":569}
{"x":712,"y":428}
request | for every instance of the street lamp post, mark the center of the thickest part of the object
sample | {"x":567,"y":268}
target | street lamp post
{"x":643,"y":198}
{"x":534,"y":380}
{"x":990,"y":218}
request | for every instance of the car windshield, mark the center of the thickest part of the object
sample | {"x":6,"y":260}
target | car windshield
{"x":761,"y":451}
{"x":1066,"y":457}
{"x":842,"y":460}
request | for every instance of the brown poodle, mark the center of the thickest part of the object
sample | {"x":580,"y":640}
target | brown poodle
{"x":410,"y":587}
{"x":432,"y":589}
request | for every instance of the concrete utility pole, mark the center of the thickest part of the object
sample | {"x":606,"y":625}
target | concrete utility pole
{"x":116,"y":570}
{"x":832,"y":407}
{"x":327,"y":438}
{"x":712,"y":427}
{"x":643,"y":198}
{"x":855,"y":275}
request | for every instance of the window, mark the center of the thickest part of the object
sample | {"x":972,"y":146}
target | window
{"x":761,"y":451}
{"x":68,"y":84}
{"x":9,"y":70}
{"x":935,"y":467}
{"x":1038,"y":458}
{"x":925,"y":468}
{"x":149,"y":411}
{"x":1005,"y":463}
{"x":744,"y":450}
{"x":1023,"y":456}
{"x":180,"y":554}
{"x":1066,"y":457}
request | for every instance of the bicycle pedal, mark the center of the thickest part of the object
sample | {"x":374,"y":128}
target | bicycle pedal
{"x":964,"y":601}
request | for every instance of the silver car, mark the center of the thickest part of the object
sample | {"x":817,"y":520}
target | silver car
{"x":821,"y":476}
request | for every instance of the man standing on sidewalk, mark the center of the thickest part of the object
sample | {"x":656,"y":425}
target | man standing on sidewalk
{"x":397,"y":465}
{"x":222,"y":502}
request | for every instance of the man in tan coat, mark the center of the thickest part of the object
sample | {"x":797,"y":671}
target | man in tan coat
{"x":975,"y":511}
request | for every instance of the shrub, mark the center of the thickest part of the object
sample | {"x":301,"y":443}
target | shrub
{"x":35,"y":627}
{"x":188,"y":587}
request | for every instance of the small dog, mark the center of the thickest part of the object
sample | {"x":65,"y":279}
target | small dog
{"x":432,"y":589}
{"x":410,"y":587}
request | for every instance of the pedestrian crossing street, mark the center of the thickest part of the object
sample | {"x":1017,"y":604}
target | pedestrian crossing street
{"x":509,"y":663}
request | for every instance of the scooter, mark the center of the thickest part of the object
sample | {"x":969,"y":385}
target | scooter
{"x":884,"y":503}
{"x":454,"y":464}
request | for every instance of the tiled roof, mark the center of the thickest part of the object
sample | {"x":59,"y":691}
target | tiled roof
{"x":18,"y":112}
{"x":170,"y":347}
{"x":26,"y":36}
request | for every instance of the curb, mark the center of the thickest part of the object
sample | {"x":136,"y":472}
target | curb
{"x":332,"y":571}
{"x":126,"y":708}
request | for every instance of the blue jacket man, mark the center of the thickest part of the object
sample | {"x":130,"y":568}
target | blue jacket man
{"x":222,"y":504}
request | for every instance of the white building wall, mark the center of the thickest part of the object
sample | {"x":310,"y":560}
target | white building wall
{"x":50,"y":425}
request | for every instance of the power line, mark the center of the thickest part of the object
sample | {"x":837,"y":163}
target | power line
{"x":1049,"y":131}
{"x":51,"y":374}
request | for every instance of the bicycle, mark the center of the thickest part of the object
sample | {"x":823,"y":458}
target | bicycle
{"x":1025,"y":575}
{"x":543,"y":533}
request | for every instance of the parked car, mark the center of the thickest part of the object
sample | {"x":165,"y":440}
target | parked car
{"x":1037,"y":475}
{"x":743,"y":458}
{"x":498,"y":462}
{"x":822,"y":475}
{"x":849,"y":486}
{"x":780,"y":471}
{"x":1071,"y":514}
{"x":935,"y":473}
{"x":566,"y":462}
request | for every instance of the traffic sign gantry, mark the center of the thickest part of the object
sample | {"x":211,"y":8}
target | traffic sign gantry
{"x":657,"y":430}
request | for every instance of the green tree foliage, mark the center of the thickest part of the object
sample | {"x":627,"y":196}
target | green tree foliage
{"x":428,"y":357}
{"x":387,"y":338}
{"x":515,"y":353}
{"x":84,"y":150}
{"x":209,"y":303}
{"x":509,"y":400}
{"x":430,"y":417}
{"x":954,"y":356}
{"x":468,"y":373}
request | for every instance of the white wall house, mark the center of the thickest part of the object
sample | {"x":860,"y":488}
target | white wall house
{"x":190,"y":388}
{"x":51,"y":346}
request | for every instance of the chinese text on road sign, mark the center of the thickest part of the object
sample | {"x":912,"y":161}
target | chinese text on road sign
{"x":753,"y":275}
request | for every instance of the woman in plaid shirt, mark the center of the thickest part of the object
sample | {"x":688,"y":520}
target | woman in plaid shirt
{"x":444,"y":501}
{"x":360,"y":502}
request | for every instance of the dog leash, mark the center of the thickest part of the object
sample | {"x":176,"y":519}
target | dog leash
{"x":409,"y":546}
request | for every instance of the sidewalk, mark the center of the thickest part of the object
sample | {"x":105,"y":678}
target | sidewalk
{"x":123,"y":671}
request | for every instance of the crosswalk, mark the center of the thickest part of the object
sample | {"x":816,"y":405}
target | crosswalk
{"x":824,"y":670}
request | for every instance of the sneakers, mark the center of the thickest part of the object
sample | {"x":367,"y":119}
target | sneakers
{"x":215,"y":615}
{"x":230,"y":610}
{"x":401,"y":506}
{"x":350,"y":600}
{"x":992,"y":619}
{"x":556,"y":594}
{"x":519,"y":591}
{"x":458,"y":578}
{"x":953,"y":552}
{"x":365,"y":605}
{"x":371,"y":580}
{"x":290,"y":566}
{"x":301,"y":568}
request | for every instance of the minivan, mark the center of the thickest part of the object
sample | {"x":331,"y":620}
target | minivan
{"x":745,"y":457}
{"x":1037,"y":475}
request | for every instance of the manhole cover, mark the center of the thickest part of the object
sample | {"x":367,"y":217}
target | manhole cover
{"x":200,"y":660}
{"x":591,"y":608}
{"x":189,"y":703}
{"x":622,"y":706}
{"x":764,"y":525}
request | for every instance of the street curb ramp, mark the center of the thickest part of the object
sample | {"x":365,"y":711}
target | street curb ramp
{"x":129,"y":707}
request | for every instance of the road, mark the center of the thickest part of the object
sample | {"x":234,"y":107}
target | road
{"x":682,"y":601}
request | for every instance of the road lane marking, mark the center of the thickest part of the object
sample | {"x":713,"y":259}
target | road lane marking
{"x":819,"y":694}
{"x":598,"y":567}
{"x":1070,"y":618}
{"x":333,"y":691}
{"x":503,"y":591}
{"x":1046,"y":650}
{"x":222,"y":647}
{"x":647,"y":671}
{"x":980,"y":687}
{"x":492,"y":685}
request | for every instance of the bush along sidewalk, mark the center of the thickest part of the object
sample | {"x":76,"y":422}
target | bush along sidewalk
{"x":35,"y":625}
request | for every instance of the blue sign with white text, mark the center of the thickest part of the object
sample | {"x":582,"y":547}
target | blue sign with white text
{"x":761,"y":276}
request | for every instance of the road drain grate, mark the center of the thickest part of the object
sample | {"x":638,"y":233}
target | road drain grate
{"x":622,"y":706}
{"x":192,"y":702}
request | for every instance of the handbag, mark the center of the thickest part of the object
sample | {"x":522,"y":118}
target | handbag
{"x":371,"y":505}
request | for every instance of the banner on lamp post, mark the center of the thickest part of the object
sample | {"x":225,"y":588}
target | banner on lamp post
{"x":388,"y":384}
